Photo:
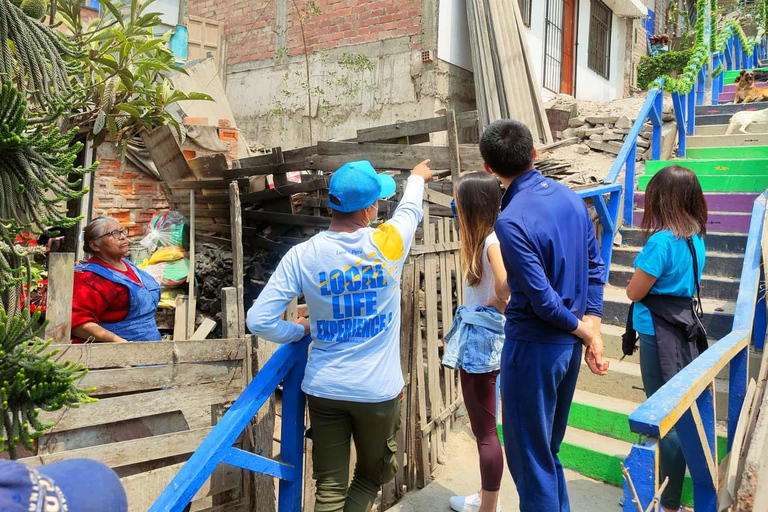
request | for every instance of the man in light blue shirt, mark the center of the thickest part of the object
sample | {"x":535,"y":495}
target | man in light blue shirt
{"x":350,"y":279}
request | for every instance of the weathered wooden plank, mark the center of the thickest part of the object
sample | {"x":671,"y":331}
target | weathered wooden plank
{"x":198,"y":185}
{"x":436,"y":247}
{"x":407,"y":363}
{"x":209,"y":166}
{"x":381,"y":156}
{"x":202,"y":332}
{"x":61,"y":267}
{"x":237,"y":254}
{"x":166,"y":152}
{"x":453,"y":145}
{"x":446,"y":295}
{"x":122,"y":408}
{"x":126,"y":380}
{"x":287,"y":218}
{"x":134,"y":451}
{"x":411,"y":128}
{"x":423,"y":473}
{"x":229,"y":312}
{"x":109,"y":355}
{"x":262,"y":195}
{"x":265,"y":170}
{"x":180,"y":318}
{"x":191,"y":297}
{"x":143,"y":489}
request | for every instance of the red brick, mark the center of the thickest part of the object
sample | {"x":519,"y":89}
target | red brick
{"x":134,"y":229}
{"x":144,"y":216}
{"x":160,"y":204}
{"x":229,"y":135}
{"x":146,"y":189}
{"x":107,"y":175}
{"x":196,"y":120}
{"x":123,"y":187}
{"x":106,"y":202}
{"x":121,"y":216}
{"x":189,"y":154}
{"x":129,"y":175}
{"x":134,"y":202}
{"x":109,"y":164}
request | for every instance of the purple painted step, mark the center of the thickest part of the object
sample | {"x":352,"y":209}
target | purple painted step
{"x":732,"y":87}
{"x":718,"y":222}
{"x":716,"y":202}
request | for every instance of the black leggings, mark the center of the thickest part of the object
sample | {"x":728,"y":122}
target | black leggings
{"x":479,"y":390}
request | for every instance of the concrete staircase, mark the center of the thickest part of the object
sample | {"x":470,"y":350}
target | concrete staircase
{"x":733,"y":170}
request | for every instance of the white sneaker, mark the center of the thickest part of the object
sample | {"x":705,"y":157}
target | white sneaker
{"x":469,"y":503}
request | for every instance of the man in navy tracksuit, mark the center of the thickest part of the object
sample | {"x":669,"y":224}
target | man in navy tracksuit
{"x":556,"y":277}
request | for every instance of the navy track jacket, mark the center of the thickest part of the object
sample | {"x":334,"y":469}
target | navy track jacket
{"x":554,"y":268}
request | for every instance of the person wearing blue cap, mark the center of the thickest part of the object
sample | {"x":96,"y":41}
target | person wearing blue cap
{"x":349,"y":276}
{"x":74,"y":485}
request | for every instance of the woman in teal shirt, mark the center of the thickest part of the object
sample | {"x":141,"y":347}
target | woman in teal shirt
{"x":675,"y":212}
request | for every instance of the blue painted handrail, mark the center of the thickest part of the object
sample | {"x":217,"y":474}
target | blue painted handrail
{"x":627,"y":157}
{"x":286,"y":366}
{"x":686,"y":402}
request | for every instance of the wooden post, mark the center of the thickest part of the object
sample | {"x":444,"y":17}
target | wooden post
{"x":191,"y":301}
{"x":85,"y":201}
{"x":180,"y":320}
{"x":236,"y":216}
{"x":229,"y":315}
{"x":453,"y":145}
{"x":61,"y":268}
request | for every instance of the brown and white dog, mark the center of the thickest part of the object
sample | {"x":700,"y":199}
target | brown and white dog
{"x":747,"y":91}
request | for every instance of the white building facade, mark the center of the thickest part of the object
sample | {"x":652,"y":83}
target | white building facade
{"x":579,"y":47}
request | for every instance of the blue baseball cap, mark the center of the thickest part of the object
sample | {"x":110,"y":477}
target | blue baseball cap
{"x":74,"y":485}
{"x":355,"y":185}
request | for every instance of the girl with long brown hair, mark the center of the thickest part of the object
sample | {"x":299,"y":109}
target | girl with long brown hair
{"x":663,"y":287}
{"x":476,"y":337}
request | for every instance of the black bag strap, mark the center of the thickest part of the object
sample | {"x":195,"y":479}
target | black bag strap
{"x":698,"y":308}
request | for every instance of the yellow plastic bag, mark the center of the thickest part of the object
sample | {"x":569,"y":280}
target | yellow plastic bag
{"x":172,"y":253}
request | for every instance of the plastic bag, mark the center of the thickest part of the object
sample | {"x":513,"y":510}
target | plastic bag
{"x":172,"y":253}
{"x":166,"y":229}
{"x":169,"y":273}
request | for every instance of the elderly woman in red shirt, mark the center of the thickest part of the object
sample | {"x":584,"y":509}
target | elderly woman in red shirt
{"x":114,"y":301}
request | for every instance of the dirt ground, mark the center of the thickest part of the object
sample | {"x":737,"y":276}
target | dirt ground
{"x":461,"y":476}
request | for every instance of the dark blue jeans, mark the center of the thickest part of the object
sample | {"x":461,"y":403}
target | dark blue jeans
{"x":671,"y":459}
{"x":538,"y":381}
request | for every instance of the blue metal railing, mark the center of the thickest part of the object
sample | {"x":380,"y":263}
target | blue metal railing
{"x":687,"y":402}
{"x":286,"y":366}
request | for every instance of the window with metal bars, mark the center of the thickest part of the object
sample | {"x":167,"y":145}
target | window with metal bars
{"x":599,"y":58}
{"x":525,"y":10}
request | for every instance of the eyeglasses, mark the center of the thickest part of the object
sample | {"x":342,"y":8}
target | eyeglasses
{"x":115,"y":233}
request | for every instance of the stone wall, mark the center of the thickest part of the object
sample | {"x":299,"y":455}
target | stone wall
{"x":123,"y":191}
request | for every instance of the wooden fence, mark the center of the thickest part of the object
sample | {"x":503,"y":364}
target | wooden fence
{"x":278,"y":218}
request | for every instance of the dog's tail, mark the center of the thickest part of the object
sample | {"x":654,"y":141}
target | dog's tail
{"x":731,"y":127}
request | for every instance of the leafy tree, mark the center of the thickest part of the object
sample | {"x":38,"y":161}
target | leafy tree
{"x":125,"y":71}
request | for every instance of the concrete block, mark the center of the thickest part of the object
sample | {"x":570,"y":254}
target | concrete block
{"x":582,"y":149}
{"x":577,"y":122}
{"x":606,"y":147}
{"x":642,"y":143}
{"x":569,"y":133}
{"x":596,"y":130}
{"x":596,"y":137}
{"x":624,"y":123}
{"x":611,"y":135}
{"x":602,"y":119}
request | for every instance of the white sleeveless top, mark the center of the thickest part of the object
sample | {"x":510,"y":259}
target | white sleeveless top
{"x":484,"y":291}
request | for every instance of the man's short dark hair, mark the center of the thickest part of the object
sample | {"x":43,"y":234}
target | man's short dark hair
{"x":507,"y":148}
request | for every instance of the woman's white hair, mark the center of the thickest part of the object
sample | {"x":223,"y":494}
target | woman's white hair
{"x":93,"y":232}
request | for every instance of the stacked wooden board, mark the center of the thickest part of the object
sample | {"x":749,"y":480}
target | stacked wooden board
{"x":505,"y":81}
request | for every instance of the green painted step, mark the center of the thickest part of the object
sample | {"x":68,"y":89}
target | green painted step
{"x":730,"y":76}
{"x":726,"y":153}
{"x":714,"y":167}
{"x":732,"y":183}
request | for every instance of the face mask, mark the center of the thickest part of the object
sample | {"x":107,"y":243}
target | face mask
{"x":370,"y":223}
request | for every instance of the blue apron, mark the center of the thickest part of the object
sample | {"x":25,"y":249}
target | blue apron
{"x":139,"y":324}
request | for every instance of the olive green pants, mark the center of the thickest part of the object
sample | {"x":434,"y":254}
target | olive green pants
{"x":373,"y":426}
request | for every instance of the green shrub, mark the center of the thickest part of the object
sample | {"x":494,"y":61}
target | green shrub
{"x":670,"y":63}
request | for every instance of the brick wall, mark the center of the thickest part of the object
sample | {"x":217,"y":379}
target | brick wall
{"x":254,"y":32}
{"x":123,"y":191}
